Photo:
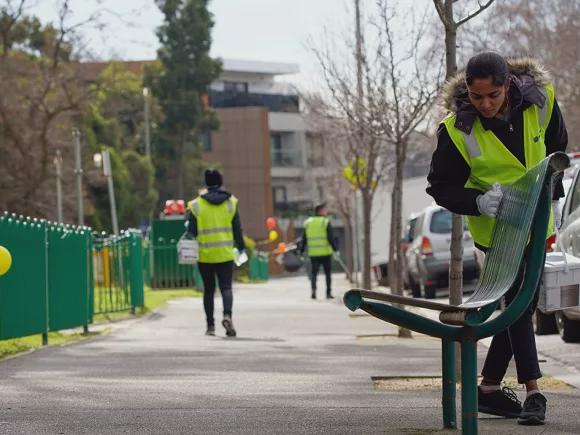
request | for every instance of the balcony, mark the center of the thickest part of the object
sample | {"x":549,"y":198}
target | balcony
{"x":274,"y":102}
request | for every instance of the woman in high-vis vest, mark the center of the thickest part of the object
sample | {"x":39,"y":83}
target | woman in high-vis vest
{"x":213,"y":219}
{"x":503,"y":120}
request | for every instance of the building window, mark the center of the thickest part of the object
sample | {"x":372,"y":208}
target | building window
{"x":205,"y":138}
{"x":276,"y":149}
{"x":280,"y":195}
{"x":236,"y":87}
{"x":282,"y":151}
{"x":315,"y":144}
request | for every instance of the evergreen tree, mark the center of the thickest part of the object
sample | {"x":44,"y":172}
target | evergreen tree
{"x":180,"y":86}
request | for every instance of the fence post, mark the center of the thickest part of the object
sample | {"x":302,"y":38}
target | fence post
{"x":46,"y":289}
{"x":136,"y":270}
{"x":90,"y":277}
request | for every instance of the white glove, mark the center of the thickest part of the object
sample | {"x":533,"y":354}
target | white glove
{"x":488,"y":203}
{"x":557,"y":213}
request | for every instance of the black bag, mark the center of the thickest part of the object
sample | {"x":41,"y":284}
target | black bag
{"x":292,"y":261}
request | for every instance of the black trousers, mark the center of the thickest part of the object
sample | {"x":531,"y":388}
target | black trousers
{"x":224,"y":273}
{"x":316,"y":262}
{"x":518,"y":341}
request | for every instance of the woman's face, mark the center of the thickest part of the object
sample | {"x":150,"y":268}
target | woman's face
{"x":486,"y":97}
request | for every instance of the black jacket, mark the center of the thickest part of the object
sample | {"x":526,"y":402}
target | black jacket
{"x":217,"y":196}
{"x":449,"y":171}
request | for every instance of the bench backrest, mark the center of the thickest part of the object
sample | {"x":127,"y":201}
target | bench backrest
{"x":512,"y":231}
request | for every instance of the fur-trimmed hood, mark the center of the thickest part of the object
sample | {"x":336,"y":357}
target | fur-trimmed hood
{"x":528,"y":76}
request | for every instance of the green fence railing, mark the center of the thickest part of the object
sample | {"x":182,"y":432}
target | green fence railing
{"x":49,"y":284}
{"x":118,"y":272}
{"x":165,"y":270}
{"x":61,"y":276}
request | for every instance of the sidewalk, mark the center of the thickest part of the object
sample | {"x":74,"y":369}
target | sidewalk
{"x":298,"y":367}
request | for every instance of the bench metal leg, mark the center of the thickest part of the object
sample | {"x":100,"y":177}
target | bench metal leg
{"x":449,"y":386}
{"x":469,"y":386}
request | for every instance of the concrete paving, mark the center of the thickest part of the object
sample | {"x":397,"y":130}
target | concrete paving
{"x":297,"y":367}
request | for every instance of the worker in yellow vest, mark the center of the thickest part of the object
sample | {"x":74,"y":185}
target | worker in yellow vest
{"x":319,"y":242}
{"x":213,"y":219}
{"x":503,"y":120}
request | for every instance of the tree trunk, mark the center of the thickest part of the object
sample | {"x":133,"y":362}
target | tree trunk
{"x":450,"y":41}
{"x":456,"y":248}
{"x":348,"y":248}
{"x":397,"y":217}
{"x":367,"y":214}
{"x":180,"y":166}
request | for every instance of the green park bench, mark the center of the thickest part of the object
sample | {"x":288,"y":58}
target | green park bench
{"x":522,"y":225}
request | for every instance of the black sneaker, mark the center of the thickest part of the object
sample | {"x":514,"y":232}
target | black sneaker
{"x":313,"y":295}
{"x":329,"y":296}
{"x":210,"y":330}
{"x":503,"y":403}
{"x":229,"y":325}
{"x":534,"y":412}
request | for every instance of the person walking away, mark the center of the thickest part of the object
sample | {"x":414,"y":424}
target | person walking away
{"x":504,"y":119}
{"x":319,"y":242}
{"x":213,"y":219}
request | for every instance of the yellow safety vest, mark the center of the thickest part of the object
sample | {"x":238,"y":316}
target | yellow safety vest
{"x":214,"y":229}
{"x":317,"y":243}
{"x":490,"y":161}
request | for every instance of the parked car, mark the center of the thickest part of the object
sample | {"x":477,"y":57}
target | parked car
{"x":428,"y":255}
{"x":568,"y":320}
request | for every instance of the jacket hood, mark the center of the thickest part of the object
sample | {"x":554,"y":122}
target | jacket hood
{"x":528,"y":75}
{"x":216,"y":196}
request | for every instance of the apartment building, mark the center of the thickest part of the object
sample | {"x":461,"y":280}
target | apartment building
{"x":263,"y":146}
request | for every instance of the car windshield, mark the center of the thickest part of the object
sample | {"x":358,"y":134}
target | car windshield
{"x":441,"y":222}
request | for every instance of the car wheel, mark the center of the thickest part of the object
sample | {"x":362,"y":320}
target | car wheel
{"x":545,"y":323}
{"x":427,"y":290}
{"x":430,"y":291}
{"x":415,"y":287}
{"x":569,"y":329}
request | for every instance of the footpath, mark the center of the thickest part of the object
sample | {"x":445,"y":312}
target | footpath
{"x":297,"y":367}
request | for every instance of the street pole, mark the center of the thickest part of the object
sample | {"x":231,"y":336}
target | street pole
{"x":355,"y":239}
{"x":360,"y":134}
{"x":147,"y":133}
{"x":79,"y":175}
{"x":58,"y":166}
{"x":109,"y":174}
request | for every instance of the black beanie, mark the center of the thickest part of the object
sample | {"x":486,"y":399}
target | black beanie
{"x":213,"y":178}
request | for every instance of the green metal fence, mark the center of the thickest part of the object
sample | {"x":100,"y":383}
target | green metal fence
{"x":166,"y":272}
{"x":49,"y":284}
{"x":118,"y":272}
{"x":60,"y":276}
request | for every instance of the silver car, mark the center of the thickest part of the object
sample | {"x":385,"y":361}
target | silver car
{"x":427,"y":256}
{"x":568,"y":320}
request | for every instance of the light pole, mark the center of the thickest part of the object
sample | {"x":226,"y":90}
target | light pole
{"x":58,"y":166}
{"x":147,"y":134}
{"x":356,"y":242}
{"x":104,"y":159}
{"x":79,"y":175}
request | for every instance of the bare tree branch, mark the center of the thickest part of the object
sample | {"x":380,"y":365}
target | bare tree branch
{"x":475,"y":13}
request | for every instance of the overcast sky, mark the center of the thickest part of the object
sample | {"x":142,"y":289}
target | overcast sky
{"x":265,"y":30}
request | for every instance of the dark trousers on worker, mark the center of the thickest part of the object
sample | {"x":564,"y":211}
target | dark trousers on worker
{"x":326,"y":262}
{"x":518,"y":341}
{"x":224,"y":273}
